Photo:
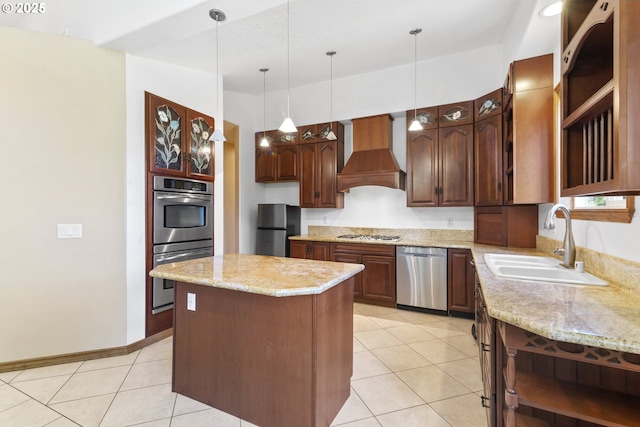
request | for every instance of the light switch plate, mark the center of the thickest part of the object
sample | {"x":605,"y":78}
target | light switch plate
{"x":191,"y":301}
{"x":69,"y":231}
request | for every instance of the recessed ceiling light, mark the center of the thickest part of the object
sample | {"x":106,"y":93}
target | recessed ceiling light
{"x":552,"y":9}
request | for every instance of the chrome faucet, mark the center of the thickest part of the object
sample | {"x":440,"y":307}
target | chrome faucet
{"x":568,"y":249}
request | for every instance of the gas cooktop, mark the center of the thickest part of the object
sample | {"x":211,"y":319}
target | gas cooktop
{"x":376,"y":237}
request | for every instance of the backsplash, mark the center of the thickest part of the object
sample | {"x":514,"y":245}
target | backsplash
{"x":405,"y":233}
{"x":610,"y":268}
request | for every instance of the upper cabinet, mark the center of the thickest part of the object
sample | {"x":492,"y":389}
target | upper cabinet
{"x":528,"y":132}
{"x":488,"y":149}
{"x":600,"y":66}
{"x":320,"y":161}
{"x":178,"y":139}
{"x":278,"y":162}
{"x":440,"y":160}
{"x":460,"y":113}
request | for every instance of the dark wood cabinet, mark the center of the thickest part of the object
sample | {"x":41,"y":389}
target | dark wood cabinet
{"x":319,"y":163}
{"x":177,"y":140}
{"x":279,"y":161}
{"x":440,"y":167}
{"x":459,"y":113}
{"x":513,"y":226}
{"x":460,"y":281}
{"x":528,"y":132}
{"x":377,"y":283}
{"x":486,"y":337}
{"x":600,"y":97}
{"x":487,"y":150}
{"x":320,"y":251}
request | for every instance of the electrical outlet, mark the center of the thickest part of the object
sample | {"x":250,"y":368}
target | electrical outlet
{"x":69,"y":231}
{"x":191,"y":301}
{"x":449,"y":222}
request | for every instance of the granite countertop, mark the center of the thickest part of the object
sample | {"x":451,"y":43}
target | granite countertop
{"x":274,"y":276}
{"x":606,"y":317}
{"x":596,"y":316}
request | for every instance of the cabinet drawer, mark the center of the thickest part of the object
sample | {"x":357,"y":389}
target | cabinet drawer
{"x":363,"y":248}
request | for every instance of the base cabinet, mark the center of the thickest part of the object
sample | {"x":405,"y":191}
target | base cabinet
{"x":320,"y":251}
{"x":377,"y":283}
{"x":460,"y":281}
{"x":544,"y":382}
{"x":485,"y":332}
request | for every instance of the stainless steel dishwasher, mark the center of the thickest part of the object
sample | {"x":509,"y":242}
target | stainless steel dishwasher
{"x":421,"y":277}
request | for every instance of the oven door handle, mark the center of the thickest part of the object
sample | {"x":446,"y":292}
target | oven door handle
{"x":182,"y":196}
{"x":172,"y":257}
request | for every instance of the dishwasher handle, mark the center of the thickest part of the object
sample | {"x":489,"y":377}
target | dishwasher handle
{"x":420,"y":251}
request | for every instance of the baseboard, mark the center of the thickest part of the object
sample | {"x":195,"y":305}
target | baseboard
{"x":84,"y":355}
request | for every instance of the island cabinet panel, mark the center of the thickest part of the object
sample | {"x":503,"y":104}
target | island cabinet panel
{"x":272,"y":361}
{"x":377,"y":282}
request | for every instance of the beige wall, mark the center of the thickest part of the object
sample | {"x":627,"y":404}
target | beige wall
{"x":62,"y":115}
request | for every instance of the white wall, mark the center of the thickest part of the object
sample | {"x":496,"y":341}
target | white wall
{"x":194,"y":89}
{"x":452,"y":78}
{"x":63,"y":140}
{"x":240,"y":110}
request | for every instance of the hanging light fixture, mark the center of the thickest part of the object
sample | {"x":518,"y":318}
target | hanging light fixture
{"x":415,"y":124}
{"x":218,"y":136}
{"x":287,"y":126}
{"x":331,"y":135}
{"x":264,"y":142}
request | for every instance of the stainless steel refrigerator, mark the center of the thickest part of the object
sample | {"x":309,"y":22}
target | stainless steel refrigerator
{"x":276,"y":222}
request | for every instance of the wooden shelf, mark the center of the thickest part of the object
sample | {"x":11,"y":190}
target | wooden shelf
{"x":577,"y":401}
{"x":596,"y":104}
{"x":525,"y":421}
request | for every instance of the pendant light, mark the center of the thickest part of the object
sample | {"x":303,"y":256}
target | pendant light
{"x":331,"y":136}
{"x":218,"y":136}
{"x":264,"y":142}
{"x":415,"y":124}
{"x":287,"y":126}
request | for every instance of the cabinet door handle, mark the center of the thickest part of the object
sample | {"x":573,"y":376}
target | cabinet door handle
{"x":485,"y":347}
{"x":499,"y":186}
{"x":486,"y":402}
{"x":472,"y":262}
{"x":436,"y":190}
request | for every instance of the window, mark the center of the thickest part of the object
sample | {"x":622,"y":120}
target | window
{"x":603,"y":208}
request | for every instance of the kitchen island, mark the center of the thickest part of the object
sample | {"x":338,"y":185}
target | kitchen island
{"x":267,"y":339}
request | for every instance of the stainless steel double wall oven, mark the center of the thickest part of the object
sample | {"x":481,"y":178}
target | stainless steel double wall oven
{"x":182,"y":228}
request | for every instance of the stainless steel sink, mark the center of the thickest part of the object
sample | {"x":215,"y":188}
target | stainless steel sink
{"x":537,"y":268}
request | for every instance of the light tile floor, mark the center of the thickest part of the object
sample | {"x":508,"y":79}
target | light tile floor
{"x":410,"y":370}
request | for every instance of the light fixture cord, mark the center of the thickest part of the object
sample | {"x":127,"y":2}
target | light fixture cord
{"x":331,"y":94}
{"x":217,"y":74}
{"x":288,"y":66}
{"x":264,"y":104}
{"x":415,"y":77}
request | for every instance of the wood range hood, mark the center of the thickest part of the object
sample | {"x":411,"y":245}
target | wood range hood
{"x":372,"y":161}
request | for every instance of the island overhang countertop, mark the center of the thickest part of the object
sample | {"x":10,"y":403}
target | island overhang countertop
{"x":258,"y":274}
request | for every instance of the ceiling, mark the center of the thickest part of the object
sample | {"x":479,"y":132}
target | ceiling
{"x":368,"y":35}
